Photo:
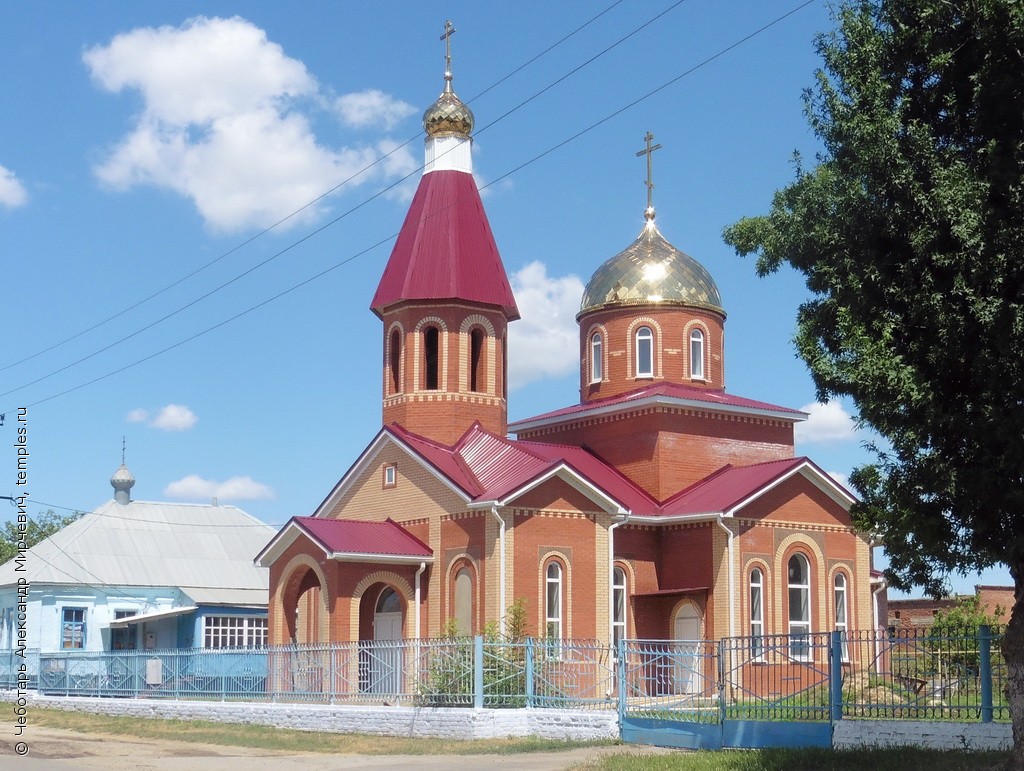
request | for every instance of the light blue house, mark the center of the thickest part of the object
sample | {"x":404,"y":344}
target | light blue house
{"x":141,"y":575}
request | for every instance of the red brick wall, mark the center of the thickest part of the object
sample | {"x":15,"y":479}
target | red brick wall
{"x":444,"y":414}
{"x":665,"y":451}
{"x":573,"y":536}
{"x":670,"y":326}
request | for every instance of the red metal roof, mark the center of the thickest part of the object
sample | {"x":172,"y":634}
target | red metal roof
{"x":445,"y":250}
{"x":489,"y":467}
{"x":663,"y":393}
{"x":346,"y":536}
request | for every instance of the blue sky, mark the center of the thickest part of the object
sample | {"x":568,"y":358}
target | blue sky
{"x":143,"y":143}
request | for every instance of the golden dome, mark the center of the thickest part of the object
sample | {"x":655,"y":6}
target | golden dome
{"x":651,"y":271}
{"x":448,"y":116}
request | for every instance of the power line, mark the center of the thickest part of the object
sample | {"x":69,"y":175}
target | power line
{"x":383,"y":241}
{"x":162,"y":503}
{"x":270,"y":228}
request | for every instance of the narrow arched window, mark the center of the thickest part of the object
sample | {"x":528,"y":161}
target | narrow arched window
{"x":476,"y":360}
{"x":395,"y":360}
{"x":618,"y":605}
{"x":697,"y":355}
{"x":799,"y":575}
{"x":431,"y":353}
{"x":596,"y":363}
{"x":504,"y":366}
{"x":839,"y":593}
{"x":644,"y":352}
{"x":553,"y":601}
{"x":464,"y":602}
{"x":756,"y":614}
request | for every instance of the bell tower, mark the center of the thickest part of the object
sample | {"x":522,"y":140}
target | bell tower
{"x":444,"y":298}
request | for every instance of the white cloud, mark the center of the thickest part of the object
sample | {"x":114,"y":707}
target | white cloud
{"x":223,"y":122}
{"x":194,"y":487}
{"x":138,"y":415}
{"x":174,"y":417}
{"x":841,"y":478}
{"x":370,"y":108}
{"x":545,"y":341}
{"x":827,"y":423}
{"x":12,"y":192}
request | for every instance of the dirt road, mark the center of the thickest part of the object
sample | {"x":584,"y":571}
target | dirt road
{"x":59,"y":749}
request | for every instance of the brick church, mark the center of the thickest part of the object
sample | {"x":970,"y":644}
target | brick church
{"x":659,"y":507}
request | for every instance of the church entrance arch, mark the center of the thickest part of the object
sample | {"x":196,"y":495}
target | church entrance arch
{"x":302,"y":604}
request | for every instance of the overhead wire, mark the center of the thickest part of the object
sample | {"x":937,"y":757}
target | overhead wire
{"x":385,"y":240}
{"x":281,"y":221}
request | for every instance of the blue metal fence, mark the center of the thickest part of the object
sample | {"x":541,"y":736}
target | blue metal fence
{"x":740,"y":681}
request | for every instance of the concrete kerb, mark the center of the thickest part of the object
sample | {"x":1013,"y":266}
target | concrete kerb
{"x":427,"y":722}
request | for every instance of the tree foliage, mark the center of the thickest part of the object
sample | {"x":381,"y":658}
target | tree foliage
{"x":40,"y":526}
{"x":909,"y":232}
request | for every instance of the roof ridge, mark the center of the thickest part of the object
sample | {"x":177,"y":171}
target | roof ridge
{"x":698,"y":484}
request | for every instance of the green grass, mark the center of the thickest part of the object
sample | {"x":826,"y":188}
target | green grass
{"x":284,"y":740}
{"x":894,"y":759}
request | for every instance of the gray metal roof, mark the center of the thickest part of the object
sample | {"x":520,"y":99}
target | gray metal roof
{"x":207,"y":551}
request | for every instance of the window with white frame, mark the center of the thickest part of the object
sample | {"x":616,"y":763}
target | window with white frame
{"x":72,"y":628}
{"x":234,"y":631}
{"x":596,"y":362}
{"x":756,"y":614}
{"x":644,"y":352}
{"x":799,"y":573}
{"x":7,"y":628}
{"x":697,"y":355}
{"x":553,"y":601}
{"x":839,"y":592}
{"x":618,"y":606}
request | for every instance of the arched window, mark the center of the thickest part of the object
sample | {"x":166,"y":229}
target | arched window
{"x":464,"y":602}
{"x":618,"y":606}
{"x":839,"y":592}
{"x":596,"y":363}
{"x":431,"y":353}
{"x":644,"y":352}
{"x":553,"y":601}
{"x":756,"y":614}
{"x":799,"y":574}
{"x":697,"y":355}
{"x":476,"y":360}
{"x":388,"y":602}
{"x":395,"y":361}
{"x":504,"y":365}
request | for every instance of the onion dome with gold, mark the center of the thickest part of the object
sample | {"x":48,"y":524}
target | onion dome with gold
{"x":651,"y":271}
{"x":448,"y":116}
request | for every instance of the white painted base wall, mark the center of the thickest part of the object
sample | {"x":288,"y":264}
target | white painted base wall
{"x":922,"y":733}
{"x":437,"y":722}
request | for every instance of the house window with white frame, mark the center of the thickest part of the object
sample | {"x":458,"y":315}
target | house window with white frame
{"x":839,"y":593}
{"x":553,"y":601}
{"x":234,"y":631}
{"x":618,"y":606}
{"x":596,"y":362}
{"x":756,"y":614}
{"x":696,"y":355}
{"x":644,"y":352}
{"x":799,"y":584}
{"x":72,"y":628}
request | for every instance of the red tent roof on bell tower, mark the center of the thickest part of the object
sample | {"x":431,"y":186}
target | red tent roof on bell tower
{"x":445,"y":250}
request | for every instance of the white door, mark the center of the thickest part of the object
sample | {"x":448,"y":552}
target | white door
{"x":386,"y":652}
{"x":687,"y":675}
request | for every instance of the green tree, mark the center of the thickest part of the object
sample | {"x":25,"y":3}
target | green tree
{"x":909,"y":232}
{"x":40,"y":526}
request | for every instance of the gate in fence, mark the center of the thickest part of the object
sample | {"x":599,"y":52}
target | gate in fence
{"x":742,"y":692}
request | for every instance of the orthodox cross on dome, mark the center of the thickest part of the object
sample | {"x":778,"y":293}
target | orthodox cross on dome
{"x":122,"y":449}
{"x":649,"y":151}
{"x":449,"y":30}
